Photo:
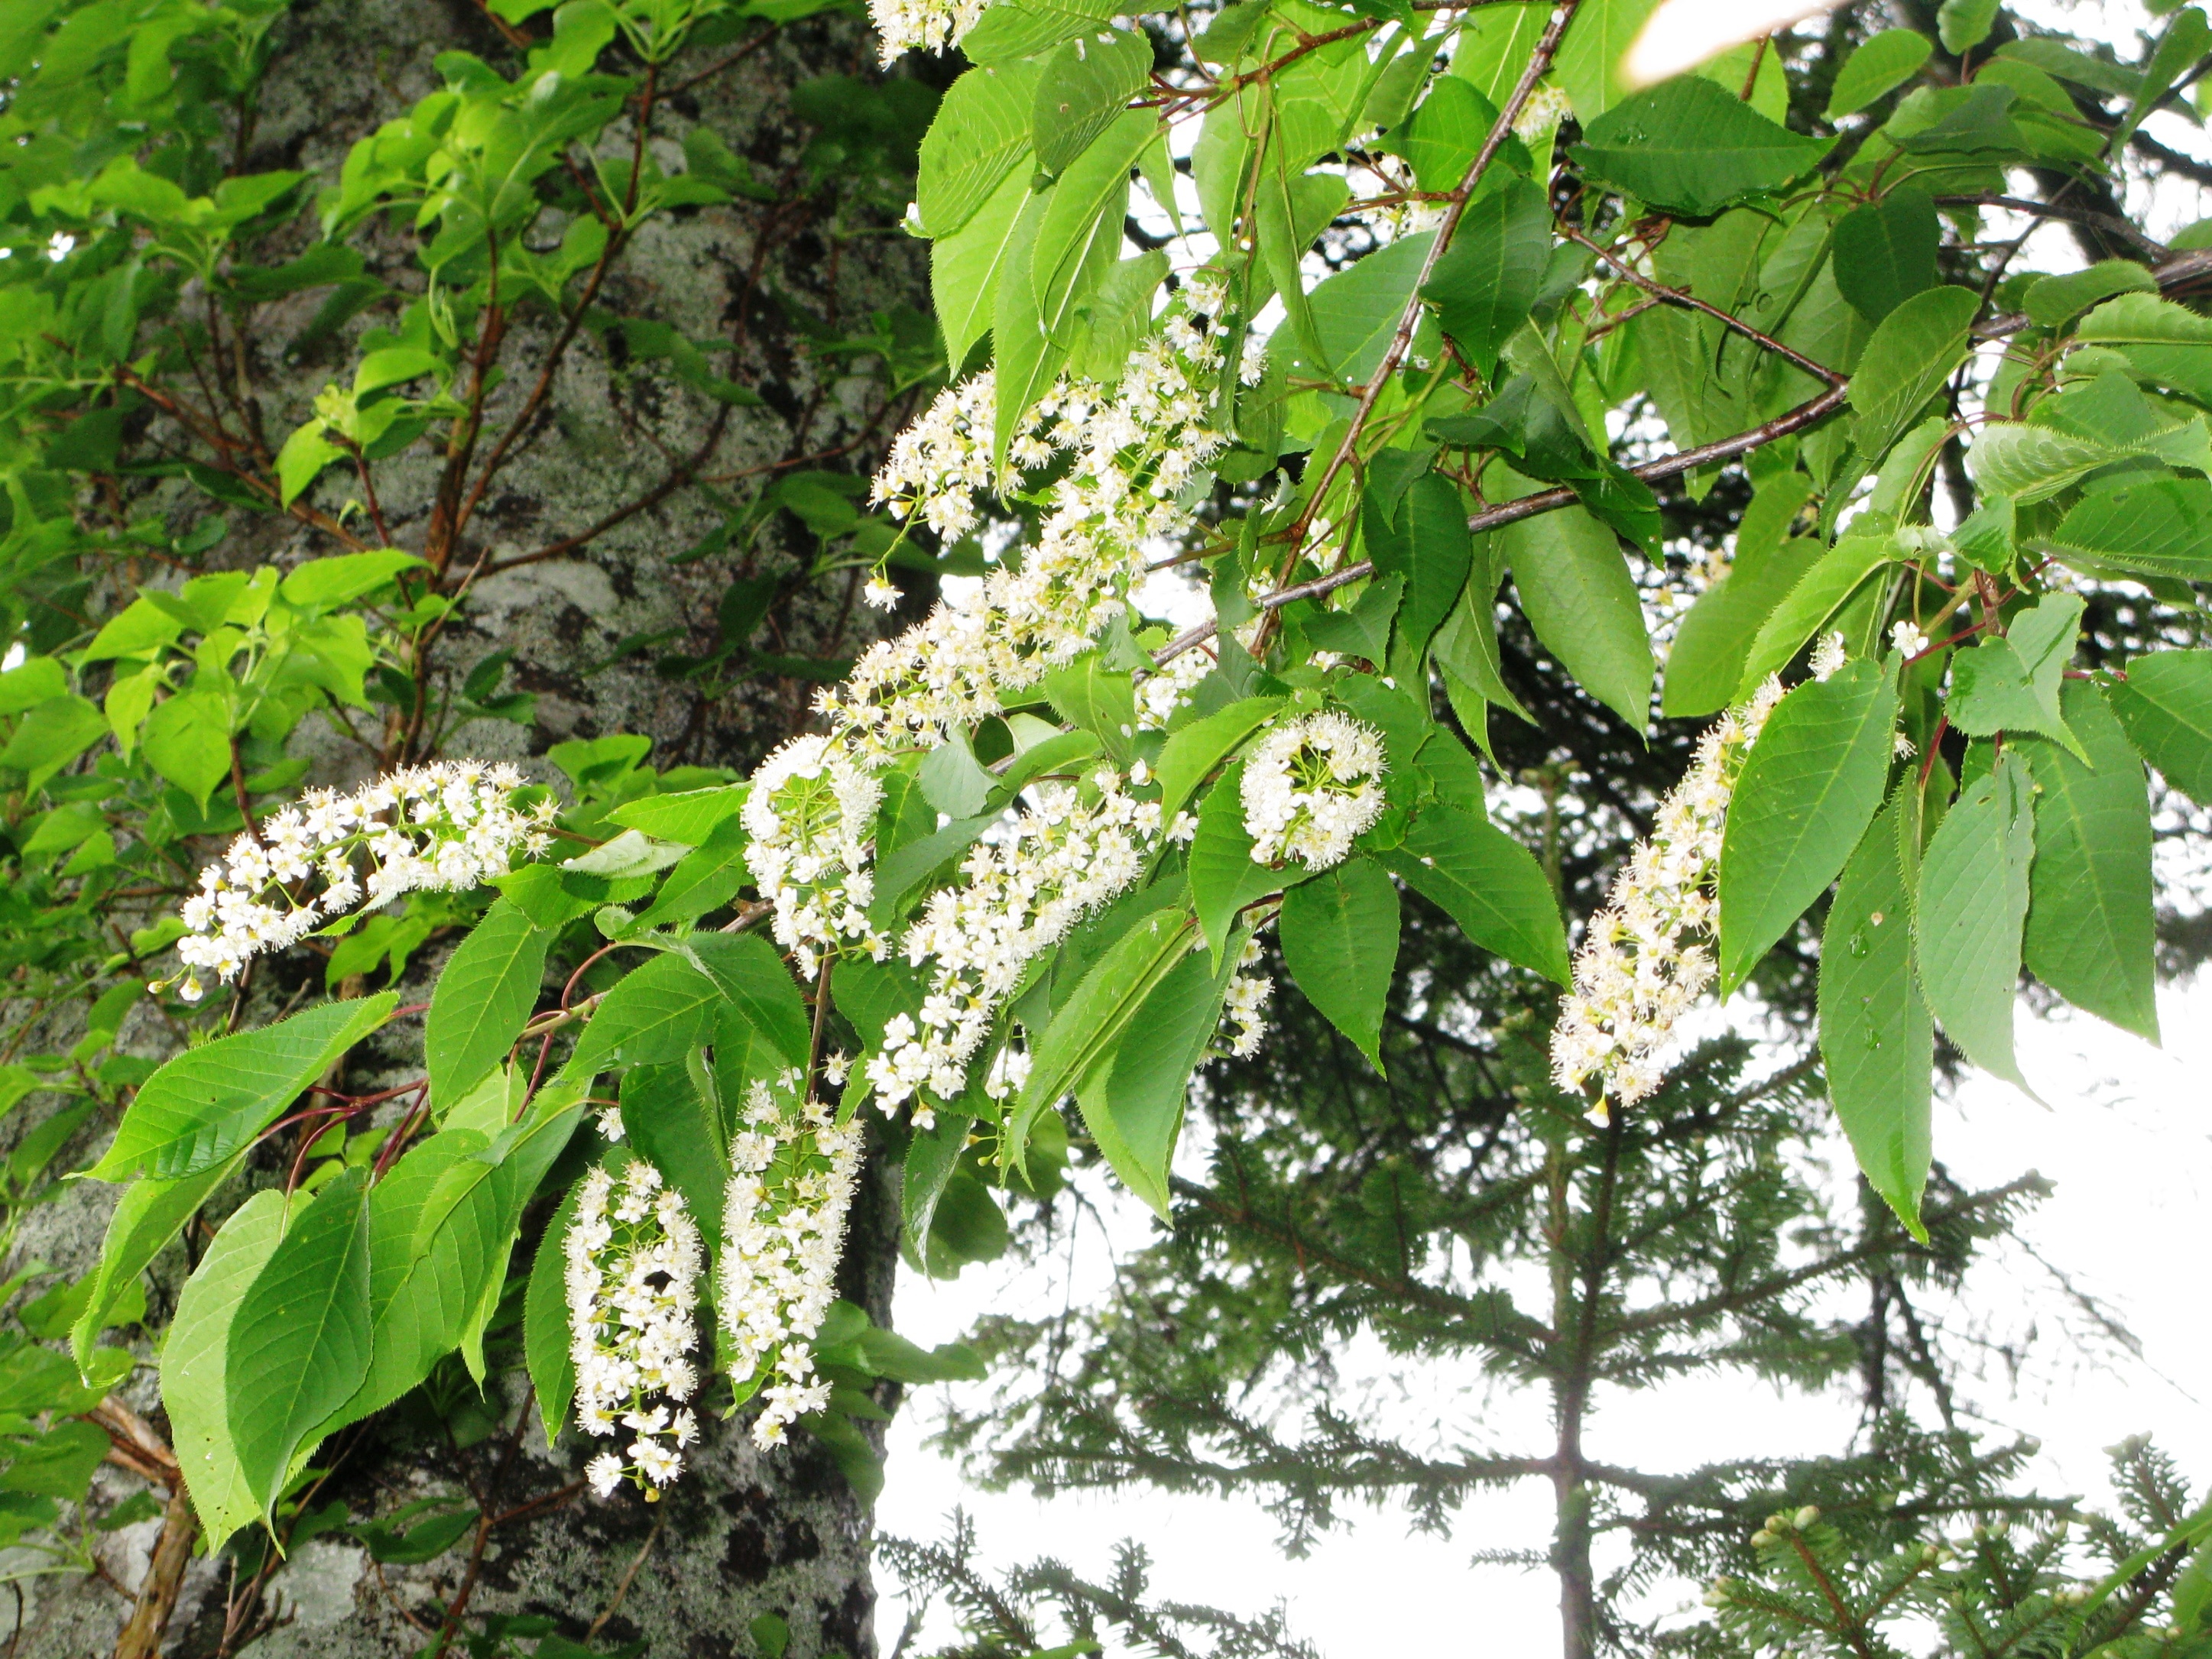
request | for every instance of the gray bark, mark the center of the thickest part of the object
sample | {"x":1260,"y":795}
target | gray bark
{"x":742,"y":1534}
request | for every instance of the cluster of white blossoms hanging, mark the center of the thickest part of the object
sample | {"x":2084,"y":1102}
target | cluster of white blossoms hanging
{"x":1647,"y":956}
{"x":633,"y":1257}
{"x":1311,"y":788}
{"x":1128,"y":457}
{"x":790,"y":1189}
{"x":1030,"y":879}
{"x":439,"y":827}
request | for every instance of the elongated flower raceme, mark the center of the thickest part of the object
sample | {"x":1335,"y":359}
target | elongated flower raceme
{"x":1030,"y":879}
{"x":808,"y":818}
{"x":791,"y":1188}
{"x":1133,"y":453}
{"x":1311,"y":788}
{"x":1245,"y":1005}
{"x":632,"y":1258}
{"x":1648,"y":955}
{"x":428,"y":829}
{"x":922,"y":25}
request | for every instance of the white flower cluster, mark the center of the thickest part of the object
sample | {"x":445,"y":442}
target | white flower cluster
{"x":1031,"y":878}
{"x":1246,"y":1004}
{"x":1135,"y":450}
{"x":1311,"y":788}
{"x":432,"y":829}
{"x":795,"y":1169}
{"x":1643,"y":963}
{"x":809,"y":816}
{"x":923,"y":25}
{"x":1160,"y":695}
{"x":632,"y":1255}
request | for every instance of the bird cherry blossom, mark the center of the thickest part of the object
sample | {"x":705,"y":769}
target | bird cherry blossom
{"x":633,"y":1257}
{"x":1311,"y":788}
{"x":438,"y":828}
{"x":1647,"y":956}
{"x":794,"y":1168}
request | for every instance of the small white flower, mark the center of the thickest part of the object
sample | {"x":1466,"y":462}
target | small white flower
{"x":1908,"y":639}
{"x":1827,"y":656}
{"x":879,"y":595}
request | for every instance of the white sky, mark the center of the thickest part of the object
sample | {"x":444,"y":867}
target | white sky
{"x":2127,"y":1137}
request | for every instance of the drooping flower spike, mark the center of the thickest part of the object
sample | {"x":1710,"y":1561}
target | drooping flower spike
{"x":439,"y":827}
{"x":1648,"y":957}
{"x":633,"y":1256}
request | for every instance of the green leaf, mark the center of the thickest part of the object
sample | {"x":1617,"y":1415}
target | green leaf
{"x":2053,"y":300}
{"x":1086,"y":86}
{"x":2164,"y":705}
{"x":195,"y":1354}
{"x":2165,"y":342}
{"x":1132,"y":1101}
{"x":304,"y":454}
{"x":1466,"y":647}
{"x":1098,"y":699}
{"x":1688,"y":147}
{"x":688,"y":818}
{"x":1713,"y":642}
{"x":967,"y":267}
{"x":1885,"y":62}
{"x":187,"y":741}
{"x":705,"y":878}
{"x":545,"y":1335}
{"x":2089,"y":934}
{"x":1912,"y":355}
{"x":1885,"y":252}
{"x":953,"y":781}
{"x":2028,"y":463}
{"x":1973,"y":902}
{"x":1224,"y":879}
{"x":1079,"y":236}
{"x":1196,"y":750}
{"x":1489,"y":884}
{"x":1877,"y":1038}
{"x":1025,"y":357}
{"x":1426,"y":542}
{"x":210,"y":1101}
{"x":932,"y":1158}
{"x":1340,"y":943}
{"x":1811,"y":783}
{"x":747,"y":972}
{"x":654,"y":1014}
{"x":2158,"y":529}
{"x":1488,"y":279}
{"x":1012,"y":29}
{"x":976,"y":142}
{"x":1817,"y":596}
{"x":146,"y":1218}
{"x":441,"y":1225}
{"x":1356,"y":312}
{"x":1962,"y":25}
{"x":1091,"y":1021}
{"x":670,"y":1123}
{"x":2185,"y":42}
{"x":483,"y":997}
{"x":2012,"y":684}
{"x":1578,"y":596}
{"x":325,"y":584}
{"x":299,"y":1340}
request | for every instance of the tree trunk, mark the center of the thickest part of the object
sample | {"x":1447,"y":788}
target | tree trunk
{"x":744,"y":1534}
